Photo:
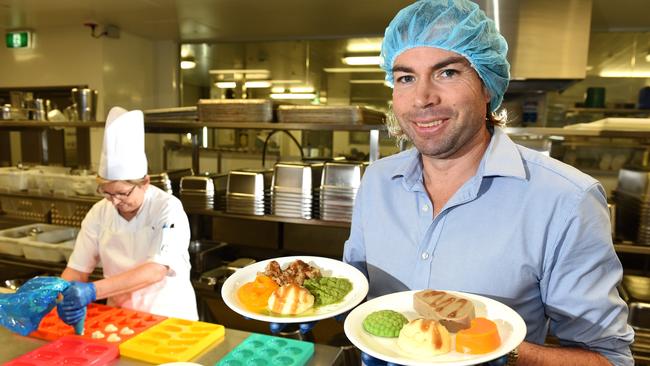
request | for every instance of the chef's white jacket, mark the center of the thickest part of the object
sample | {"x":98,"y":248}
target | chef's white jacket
{"x":159,"y":233}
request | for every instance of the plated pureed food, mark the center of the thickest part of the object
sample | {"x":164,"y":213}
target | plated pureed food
{"x":426,"y":341}
{"x":294,"y":289}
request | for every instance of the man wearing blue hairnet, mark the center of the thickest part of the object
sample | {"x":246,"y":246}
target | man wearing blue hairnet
{"x":469,"y":210}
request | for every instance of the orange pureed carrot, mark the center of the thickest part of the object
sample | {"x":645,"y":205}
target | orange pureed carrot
{"x":481,"y":337}
{"x":255,"y":295}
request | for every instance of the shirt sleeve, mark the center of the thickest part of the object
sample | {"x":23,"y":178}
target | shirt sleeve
{"x":581,"y":272}
{"x":174,"y":239}
{"x":354,"y":250}
{"x":85,"y":254}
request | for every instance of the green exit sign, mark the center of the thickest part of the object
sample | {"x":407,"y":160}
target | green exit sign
{"x":18,"y":39}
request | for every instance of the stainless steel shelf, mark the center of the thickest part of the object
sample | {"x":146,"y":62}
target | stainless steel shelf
{"x":74,"y":199}
{"x":564,"y":132}
{"x":628,"y":247}
{"x":271,"y":218}
{"x":190,"y":125}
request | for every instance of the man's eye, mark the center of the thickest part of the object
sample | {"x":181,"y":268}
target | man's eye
{"x":448,"y":73}
{"x":405,"y":79}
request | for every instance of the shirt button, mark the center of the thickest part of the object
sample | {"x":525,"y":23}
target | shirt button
{"x":425,"y":208}
{"x":425,"y":255}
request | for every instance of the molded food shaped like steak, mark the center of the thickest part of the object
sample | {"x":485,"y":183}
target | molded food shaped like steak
{"x":454,"y":312}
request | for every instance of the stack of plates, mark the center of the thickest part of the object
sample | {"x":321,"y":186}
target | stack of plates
{"x":293,"y":184}
{"x":338,"y":189}
{"x":247,"y":191}
{"x":161,"y":181}
{"x":197,"y":192}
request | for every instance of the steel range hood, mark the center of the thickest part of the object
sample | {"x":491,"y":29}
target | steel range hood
{"x":548,"y":40}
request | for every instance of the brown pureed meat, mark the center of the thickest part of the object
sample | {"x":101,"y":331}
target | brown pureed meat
{"x":454,"y":312}
{"x":296,"y":272}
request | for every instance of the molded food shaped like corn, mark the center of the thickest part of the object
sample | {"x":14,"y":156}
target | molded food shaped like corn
{"x":424,"y":338}
{"x":384,"y":323}
{"x":481,"y":337}
{"x":290,"y":299}
{"x":255,"y":295}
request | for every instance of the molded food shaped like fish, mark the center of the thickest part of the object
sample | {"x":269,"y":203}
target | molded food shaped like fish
{"x":290,"y":299}
{"x":452,"y":311}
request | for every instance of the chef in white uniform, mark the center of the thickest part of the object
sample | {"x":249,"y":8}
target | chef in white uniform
{"x":139,"y":233}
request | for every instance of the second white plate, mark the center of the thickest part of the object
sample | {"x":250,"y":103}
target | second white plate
{"x":511,"y":326}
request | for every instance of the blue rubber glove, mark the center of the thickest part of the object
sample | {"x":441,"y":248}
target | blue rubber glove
{"x":72,"y":309}
{"x":304,"y":327}
{"x":371,"y":361}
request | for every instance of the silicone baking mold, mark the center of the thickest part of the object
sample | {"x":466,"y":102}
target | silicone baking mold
{"x":97,"y":318}
{"x":69,"y":350}
{"x":172,"y":340}
{"x":260,"y":350}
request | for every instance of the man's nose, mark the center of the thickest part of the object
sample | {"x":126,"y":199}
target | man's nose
{"x":426,"y":94}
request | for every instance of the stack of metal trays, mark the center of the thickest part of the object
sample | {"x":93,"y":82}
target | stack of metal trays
{"x":292,"y":193}
{"x":235,"y":110}
{"x":175,"y":178}
{"x":632,"y":198}
{"x":197,"y":192}
{"x":338,"y":190}
{"x":161,"y":181}
{"x":330,"y":114}
{"x":220,"y":188}
{"x":171,"y":114}
{"x":248,"y":191}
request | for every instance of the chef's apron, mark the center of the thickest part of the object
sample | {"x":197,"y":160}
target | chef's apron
{"x":121,"y":251}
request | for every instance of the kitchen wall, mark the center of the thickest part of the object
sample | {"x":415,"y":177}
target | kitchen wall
{"x":132,"y":72}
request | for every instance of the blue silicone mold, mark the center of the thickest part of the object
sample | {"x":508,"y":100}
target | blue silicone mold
{"x":261,"y":350}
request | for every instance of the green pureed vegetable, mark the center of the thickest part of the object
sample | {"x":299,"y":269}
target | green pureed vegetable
{"x":384,"y":323}
{"x":328,"y":290}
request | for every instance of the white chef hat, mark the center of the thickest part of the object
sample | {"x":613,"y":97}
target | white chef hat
{"x":123,"y":156}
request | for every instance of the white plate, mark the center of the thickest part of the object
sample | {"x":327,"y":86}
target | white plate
{"x":328,"y":267}
{"x":511,"y":326}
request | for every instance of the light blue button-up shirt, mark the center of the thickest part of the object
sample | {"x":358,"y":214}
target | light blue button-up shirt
{"x":526,"y":230}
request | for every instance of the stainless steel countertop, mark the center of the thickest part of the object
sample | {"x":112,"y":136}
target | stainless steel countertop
{"x":14,"y":345}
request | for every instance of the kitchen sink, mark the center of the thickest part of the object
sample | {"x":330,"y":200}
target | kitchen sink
{"x":639,"y":317}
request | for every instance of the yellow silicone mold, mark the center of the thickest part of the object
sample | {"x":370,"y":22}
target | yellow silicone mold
{"x":172,"y":340}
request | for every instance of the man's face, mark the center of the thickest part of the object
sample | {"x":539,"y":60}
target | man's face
{"x":439,"y":100}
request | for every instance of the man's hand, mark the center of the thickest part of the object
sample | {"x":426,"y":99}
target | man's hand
{"x":76,"y":297}
{"x":303,"y":327}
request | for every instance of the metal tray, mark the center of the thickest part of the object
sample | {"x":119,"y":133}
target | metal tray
{"x":330,"y":114}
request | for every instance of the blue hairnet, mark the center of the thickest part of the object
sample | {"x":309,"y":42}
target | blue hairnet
{"x":454,"y":25}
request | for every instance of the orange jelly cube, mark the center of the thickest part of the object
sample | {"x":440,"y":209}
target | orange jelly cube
{"x":481,"y":337}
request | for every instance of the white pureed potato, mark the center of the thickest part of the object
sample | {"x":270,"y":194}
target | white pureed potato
{"x":290,"y":299}
{"x":424,"y":338}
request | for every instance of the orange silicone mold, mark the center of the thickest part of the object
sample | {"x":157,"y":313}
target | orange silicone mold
{"x":98,"y":317}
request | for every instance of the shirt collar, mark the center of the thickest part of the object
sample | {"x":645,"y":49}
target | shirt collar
{"x":501,"y":158}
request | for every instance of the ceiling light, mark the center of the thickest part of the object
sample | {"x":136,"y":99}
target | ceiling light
{"x":226,"y":84}
{"x":293,"y":96}
{"x":361,"y":59}
{"x":277,"y":89}
{"x":364,"y":44}
{"x":301,"y":89}
{"x":352,"y":69}
{"x":258,"y":84}
{"x":625,"y":74}
{"x":188,"y":63}
{"x":362,"y":81}
{"x":257,"y":73}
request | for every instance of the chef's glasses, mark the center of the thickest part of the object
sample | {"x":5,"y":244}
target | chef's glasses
{"x":111,"y":196}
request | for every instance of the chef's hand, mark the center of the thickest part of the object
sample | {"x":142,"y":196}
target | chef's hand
{"x":76,"y":297}
{"x":368,"y":360}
